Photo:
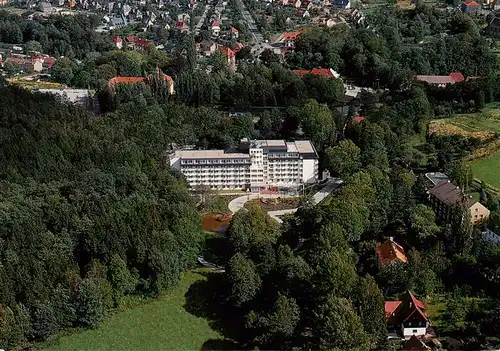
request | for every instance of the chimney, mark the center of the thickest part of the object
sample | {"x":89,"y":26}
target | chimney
{"x":391,"y":238}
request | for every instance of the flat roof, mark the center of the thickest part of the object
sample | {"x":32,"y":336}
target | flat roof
{"x":304,"y":147}
{"x":436,"y":177}
{"x":196,"y":154}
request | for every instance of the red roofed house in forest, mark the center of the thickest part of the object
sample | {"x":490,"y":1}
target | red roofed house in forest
{"x":442,"y":81}
{"x":289,"y":38}
{"x":231,"y":57}
{"x":321,"y":72}
{"x":470,"y":7}
{"x":148,"y":80}
{"x":137,"y":43}
{"x":358,"y":119}
{"x":388,"y":252}
{"x":118,"y":42}
{"x":407,"y":316}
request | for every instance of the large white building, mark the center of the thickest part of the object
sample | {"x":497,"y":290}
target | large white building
{"x":254,"y":165}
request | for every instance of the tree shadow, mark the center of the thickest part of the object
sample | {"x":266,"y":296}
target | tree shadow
{"x":208,"y":299}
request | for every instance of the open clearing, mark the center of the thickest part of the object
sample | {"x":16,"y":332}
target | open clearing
{"x":162,"y":324}
{"x":488,"y":169}
{"x":480,"y":125}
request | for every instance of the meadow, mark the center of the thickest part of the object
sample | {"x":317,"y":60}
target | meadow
{"x":161,"y":324}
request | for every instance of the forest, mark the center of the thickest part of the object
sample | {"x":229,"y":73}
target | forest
{"x":91,"y":215}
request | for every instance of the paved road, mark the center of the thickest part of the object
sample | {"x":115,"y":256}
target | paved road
{"x":237,"y":204}
{"x":198,"y":26}
{"x":260,"y":44}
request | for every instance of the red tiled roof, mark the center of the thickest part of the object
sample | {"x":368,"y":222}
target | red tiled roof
{"x":391,"y":251}
{"x":452,"y":78}
{"x":19,"y":61}
{"x":457,"y":76}
{"x":322,"y":72}
{"x":138,"y":41}
{"x":234,"y":30}
{"x":287,"y":36}
{"x":358,"y":119}
{"x":390,"y":307}
{"x":238,"y":47}
{"x":125,"y":80}
{"x":471,"y":3}
{"x":416,"y":302}
{"x":215,"y":23}
{"x":117,"y":39}
{"x":49,"y":61}
{"x":227,"y":51}
{"x":181,"y":25}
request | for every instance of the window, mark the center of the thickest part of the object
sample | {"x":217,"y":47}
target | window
{"x":414,"y":331}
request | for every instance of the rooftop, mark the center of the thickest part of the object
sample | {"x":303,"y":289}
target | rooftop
{"x":447,"y":192}
{"x":391,"y":251}
{"x":196,"y":154}
{"x":436,"y":177}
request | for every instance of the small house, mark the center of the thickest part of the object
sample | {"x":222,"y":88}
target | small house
{"x":407,"y":316}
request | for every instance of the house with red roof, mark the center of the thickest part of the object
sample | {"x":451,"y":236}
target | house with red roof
{"x":234,"y":33}
{"x":137,"y":43}
{"x":118,"y":42}
{"x":113,"y":82}
{"x":320,"y":72}
{"x":289,"y":39}
{"x":389,"y":252}
{"x":442,"y":81}
{"x":27,"y":64}
{"x":471,"y":7}
{"x":215,"y":26}
{"x":181,"y":26}
{"x":231,"y":57}
{"x":407,"y":316}
{"x":358,"y":119}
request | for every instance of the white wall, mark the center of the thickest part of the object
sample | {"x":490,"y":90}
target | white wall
{"x":408,"y":332}
{"x":309,"y":174}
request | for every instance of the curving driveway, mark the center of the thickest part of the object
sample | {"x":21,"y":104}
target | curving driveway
{"x":237,"y":204}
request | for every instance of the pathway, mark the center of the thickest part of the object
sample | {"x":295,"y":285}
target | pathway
{"x":198,"y":26}
{"x":237,"y":204}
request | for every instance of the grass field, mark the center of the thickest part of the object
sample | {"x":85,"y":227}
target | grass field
{"x":162,"y":324}
{"x":477,"y":124}
{"x":488,"y":169}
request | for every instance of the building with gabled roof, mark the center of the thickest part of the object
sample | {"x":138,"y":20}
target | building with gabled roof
{"x":442,"y":81}
{"x":321,"y":72}
{"x":113,"y":82}
{"x":407,"y":316}
{"x":389,"y":252}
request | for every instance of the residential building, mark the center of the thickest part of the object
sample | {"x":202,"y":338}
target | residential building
{"x":231,"y":57}
{"x":118,"y":42}
{"x":445,"y":196}
{"x":321,"y":72}
{"x":208,"y":48}
{"x":113,"y":82}
{"x":389,"y":252}
{"x":234,"y":33}
{"x":181,"y":26}
{"x":442,"y":81}
{"x":46,"y":8}
{"x":470,"y":7}
{"x":491,"y":237}
{"x":27,"y":64}
{"x":434,"y":178}
{"x":341,"y":4}
{"x":215,"y":26}
{"x":289,"y":39}
{"x":407,"y":316}
{"x":493,"y":28}
{"x":137,"y":43}
{"x":254,"y":165}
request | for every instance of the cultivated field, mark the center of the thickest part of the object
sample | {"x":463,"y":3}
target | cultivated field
{"x":480,"y":125}
{"x":485,"y":161}
{"x":162,"y":324}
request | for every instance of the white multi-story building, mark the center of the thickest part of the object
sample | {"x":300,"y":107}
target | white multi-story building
{"x":254,"y":165}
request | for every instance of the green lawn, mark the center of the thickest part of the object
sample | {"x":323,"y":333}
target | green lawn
{"x":162,"y":324}
{"x":488,"y":169}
